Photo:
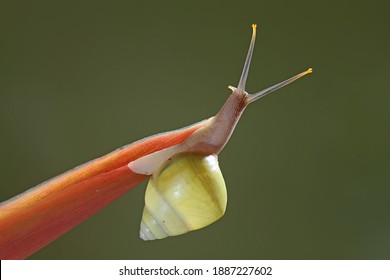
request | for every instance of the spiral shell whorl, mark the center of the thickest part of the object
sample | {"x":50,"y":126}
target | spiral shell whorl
{"x":187,"y":193}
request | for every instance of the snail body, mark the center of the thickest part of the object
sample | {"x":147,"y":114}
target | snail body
{"x":187,"y":193}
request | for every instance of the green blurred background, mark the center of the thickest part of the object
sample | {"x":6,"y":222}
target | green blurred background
{"x":307,"y":168}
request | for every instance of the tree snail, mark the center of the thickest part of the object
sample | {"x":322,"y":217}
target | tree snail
{"x":186,"y":190}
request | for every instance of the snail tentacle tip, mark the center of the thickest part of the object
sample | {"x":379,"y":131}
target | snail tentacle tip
{"x":309,"y":71}
{"x":254,"y":25}
{"x":232,"y":88}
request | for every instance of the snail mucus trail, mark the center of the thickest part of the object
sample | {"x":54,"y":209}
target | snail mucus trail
{"x":187,"y":191}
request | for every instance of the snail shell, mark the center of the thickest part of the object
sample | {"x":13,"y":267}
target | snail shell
{"x":187,"y":193}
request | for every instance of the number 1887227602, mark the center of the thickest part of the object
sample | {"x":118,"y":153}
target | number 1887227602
{"x":242,"y":270}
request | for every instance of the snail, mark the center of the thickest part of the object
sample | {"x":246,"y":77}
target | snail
{"x":186,"y":190}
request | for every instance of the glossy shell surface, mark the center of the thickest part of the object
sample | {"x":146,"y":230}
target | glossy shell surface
{"x":187,"y":193}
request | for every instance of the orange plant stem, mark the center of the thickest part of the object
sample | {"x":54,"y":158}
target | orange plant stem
{"x":30,"y":221}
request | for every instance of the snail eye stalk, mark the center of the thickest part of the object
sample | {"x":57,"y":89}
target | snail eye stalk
{"x":255,"y":96}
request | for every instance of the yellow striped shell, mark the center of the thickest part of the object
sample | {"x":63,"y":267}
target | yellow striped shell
{"x":187,"y":193}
